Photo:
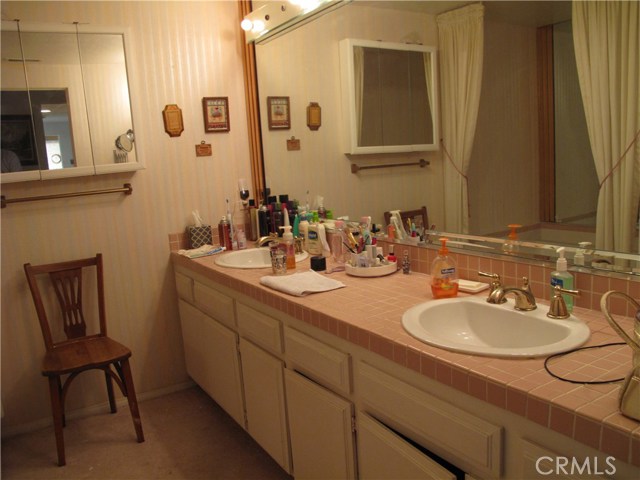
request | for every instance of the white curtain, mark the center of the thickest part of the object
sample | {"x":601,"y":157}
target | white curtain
{"x":461,"y":43}
{"x":607,"y":38}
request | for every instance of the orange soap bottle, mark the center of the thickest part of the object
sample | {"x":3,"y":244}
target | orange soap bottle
{"x":444,"y":276}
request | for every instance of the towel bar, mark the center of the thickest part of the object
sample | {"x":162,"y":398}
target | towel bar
{"x":127,"y":189}
{"x":421,"y":163}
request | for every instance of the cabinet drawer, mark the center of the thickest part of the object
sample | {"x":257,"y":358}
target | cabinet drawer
{"x":442,"y":428}
{"x":384,"y":455}
{"x":324,"y":364}
{"x":184,"y":287}
{"x":216,"y":304}
{"x":262,"y":329}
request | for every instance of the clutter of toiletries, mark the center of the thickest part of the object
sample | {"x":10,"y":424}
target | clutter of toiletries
{"x":288,"y":226}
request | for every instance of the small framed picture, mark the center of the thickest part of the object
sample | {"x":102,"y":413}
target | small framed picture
{"x":216,"y":114}
{"x":278,"y":113}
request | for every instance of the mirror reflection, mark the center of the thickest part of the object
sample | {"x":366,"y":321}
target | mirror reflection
{"x":65,"y":97}
{"x":390,"y":96}
{"x":555,"y":203}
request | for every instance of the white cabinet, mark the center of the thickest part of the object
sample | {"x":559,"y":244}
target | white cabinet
{"x":263,"y":380}
{"x":211,"y":355}
{"x":320,"y":422}
{"x":462,"y":438}
{"x":384,"y":455}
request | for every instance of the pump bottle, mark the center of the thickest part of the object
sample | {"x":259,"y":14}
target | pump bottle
{"x":444,"y":276}
{"x":560,"y":276}
{"x":289,"y":247}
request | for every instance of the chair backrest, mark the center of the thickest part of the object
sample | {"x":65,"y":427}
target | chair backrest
{"x":410,"y":215}
{"x":66,"y":281}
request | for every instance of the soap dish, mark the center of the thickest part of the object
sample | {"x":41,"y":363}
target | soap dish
{"x":471,"y":286}
{"x":380,"y":271}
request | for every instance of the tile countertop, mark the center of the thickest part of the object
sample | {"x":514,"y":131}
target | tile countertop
{"x":368,"y":313}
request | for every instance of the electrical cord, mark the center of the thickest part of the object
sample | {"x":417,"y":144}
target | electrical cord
{"x":581,"y":382}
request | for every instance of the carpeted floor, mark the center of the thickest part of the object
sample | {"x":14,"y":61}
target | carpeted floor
{"x":187,"y":436}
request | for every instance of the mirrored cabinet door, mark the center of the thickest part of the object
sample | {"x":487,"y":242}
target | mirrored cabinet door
{"x":66,"y":95}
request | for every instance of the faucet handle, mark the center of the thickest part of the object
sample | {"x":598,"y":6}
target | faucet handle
{"x":526,"y":286}
{"x":495,"y":288}
{"x":494,"y":276}
{"x":558,"y":307}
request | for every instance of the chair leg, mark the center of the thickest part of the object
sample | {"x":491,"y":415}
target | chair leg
{"x":58,"y":417}
{"x":112,"y":398}
{"x":131,"y":397}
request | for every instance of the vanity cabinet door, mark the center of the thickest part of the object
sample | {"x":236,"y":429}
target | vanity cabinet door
{"x":211,"y":354}
{"x":263,"y":380}
{"x":384,"y":455}
{"x":320,"y":422}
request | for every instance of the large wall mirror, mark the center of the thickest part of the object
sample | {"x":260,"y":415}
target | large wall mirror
{"x":65,"y":102}
{"x":505,"y":178}
{"x":389,"y":93}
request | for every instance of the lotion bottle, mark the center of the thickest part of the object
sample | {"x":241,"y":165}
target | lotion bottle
{"x":444,"y":276}
{"x":560,"y":276}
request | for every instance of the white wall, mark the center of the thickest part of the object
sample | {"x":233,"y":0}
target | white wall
{"x":184,"y":51}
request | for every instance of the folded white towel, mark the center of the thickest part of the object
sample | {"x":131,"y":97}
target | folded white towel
{"x":300,"y":284}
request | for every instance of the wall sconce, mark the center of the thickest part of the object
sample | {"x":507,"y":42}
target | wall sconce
{"x":274,"y":18}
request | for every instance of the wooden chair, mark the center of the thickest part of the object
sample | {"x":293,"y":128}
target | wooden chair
{"x":79,"y":351}
{"x":410,"y":214}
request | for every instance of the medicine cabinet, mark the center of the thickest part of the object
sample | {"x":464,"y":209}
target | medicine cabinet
{"x":65,"y":101}
{"x":389,"y":97}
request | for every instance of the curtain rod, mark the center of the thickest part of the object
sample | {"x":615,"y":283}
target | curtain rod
{"x":421,"y":163}
{"x":127,"y":189}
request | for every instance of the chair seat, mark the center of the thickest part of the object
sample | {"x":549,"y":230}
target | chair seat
{"x":83,"y":354}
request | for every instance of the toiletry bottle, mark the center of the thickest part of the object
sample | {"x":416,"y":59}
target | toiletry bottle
{"x":582,"y":255}
{"x":392,"y":257}
{"x":406,"y":263}
{"x":560,"y":276}
{"x":224,"y":233}
{"x":239,"y":226}
{"x":322,"y":213}
{"x":511,"y":243}
{"x":313,"y":242}
{"x":338,"y":241}
{"x":263,"y":221}
{"x":303,"y":229}
{"x":289,"y":247}
{"x":252,"y":227}
{"x":444,"y":276}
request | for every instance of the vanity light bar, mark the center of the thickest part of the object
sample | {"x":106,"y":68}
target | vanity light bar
{"x":276,"y":17}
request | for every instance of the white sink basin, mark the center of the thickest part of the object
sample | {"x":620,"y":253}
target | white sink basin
{"x":471,"y":325}
{"x":250,"y":258}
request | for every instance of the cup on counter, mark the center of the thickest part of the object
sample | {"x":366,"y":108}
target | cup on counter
{"x":279,"y":263}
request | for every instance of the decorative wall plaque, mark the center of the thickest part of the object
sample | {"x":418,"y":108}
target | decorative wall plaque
{"x":172,"y":117}
{"x":314,"y":116}
{"x":203,"y":150}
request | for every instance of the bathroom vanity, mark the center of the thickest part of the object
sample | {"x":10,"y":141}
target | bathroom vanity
{"x":331,"y":386}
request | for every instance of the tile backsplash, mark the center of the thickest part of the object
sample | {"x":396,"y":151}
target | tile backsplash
{"x":592,"y":286}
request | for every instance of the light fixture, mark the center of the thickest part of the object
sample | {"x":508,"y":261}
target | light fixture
{"x":274,"y":18}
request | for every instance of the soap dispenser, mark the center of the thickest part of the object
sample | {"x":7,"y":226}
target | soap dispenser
{"x":511,"y":243}
{"x":289,"y":247}
{"x":561,"y":277}
{"x":444,"y":277}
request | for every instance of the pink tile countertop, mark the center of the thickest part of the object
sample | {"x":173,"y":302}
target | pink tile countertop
{"x":368,"y":313}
